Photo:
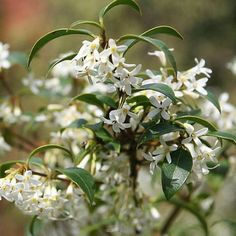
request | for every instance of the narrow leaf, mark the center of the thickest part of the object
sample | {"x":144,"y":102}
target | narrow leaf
{"x":176,"y":173}
{"x":34,"y":227}
{"x":198,"y":120}
{"x":53,"y":35}
{"x":81,"y":178}
{"x":159,"y":87}
{"x":85,"y":22}
{"x":163,"y":29}
{"x":223,"y":135}
{"x":48,"y":147}
{"x":213,"y":99}
{"x":115,"y":3}
{"x":59,"y":60}
{"x":155,"y":42}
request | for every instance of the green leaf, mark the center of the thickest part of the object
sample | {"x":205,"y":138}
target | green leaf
{"x":81,"y":178}
{"x":163,"y":29}
{"x":101,"y":133}
{"x":107,"y":100}
{"x":213,"y":99}
{"x":223,"y":135}
{"x":140,"y":100}
{"x":90,"y":99}
{"x":79,"y":123}
{"x":97,"y":100}
{"x":53,"y":35}
{"x":18,"y":58}
{"x":59,"y":60}
{"x":156,"y":43}
{"x":175,"y":174}
{"x":159,"y":87}
{"x":34,"y":227}
{"x":115,"y":3}
{"x":7,"y":165}
{"x":155,"y":131}
{"x":198,"y":120}
{"x":85,"y":22}
{"x":48,"y":147}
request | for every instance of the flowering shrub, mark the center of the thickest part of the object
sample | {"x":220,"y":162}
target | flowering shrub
{"x":115,"y":129}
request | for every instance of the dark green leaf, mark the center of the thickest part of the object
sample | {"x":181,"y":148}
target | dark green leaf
{"x":213,"y":99}
{"x":156,"y":43}
{"x":155,"y":131}
{"x":48,"y":147}
{"x":85,"y":22}
{"x":176,"y":173}
{"x":19,"y":58}
{"x":97,"y":100}
{"x":53,"y":35}
{"x":107,"y":100}
{"x":81,"y":178}
{"x":59,"y":60}
{"x":115,"y":3}
{"x":90,"y":99}
{"x":223,"y":135}
{"x":79,"y":123}
{"x":164,"y":29}
{"x":159,"y":87}
{"x":198,"y":120}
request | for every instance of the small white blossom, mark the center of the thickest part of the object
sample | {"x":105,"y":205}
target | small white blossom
{"x":4,"y":54}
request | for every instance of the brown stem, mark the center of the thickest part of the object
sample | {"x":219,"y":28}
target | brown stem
{"x":170,"y":220}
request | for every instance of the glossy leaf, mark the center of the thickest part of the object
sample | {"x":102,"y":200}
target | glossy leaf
{"x":85,"y":22}
{"x":97,"y":100}
{"x":156,"y":43}
{"x":48,"y":147}
{"x":53,"y":35}
{"x":223,"y":135}
{"x":175,"y":174}
{"x":163,"y":29}
{"x":115,"y":3}
{"x":159,"y":87}
{"x":156,"y":130}
{"x":213,"y":99}
{"x":59,"y":60}
{"x":81,"y":178}
{"x":198,"y":120}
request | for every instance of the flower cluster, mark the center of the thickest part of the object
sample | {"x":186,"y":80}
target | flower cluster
{"x":4,"y":56}
{"x":37,"y":195}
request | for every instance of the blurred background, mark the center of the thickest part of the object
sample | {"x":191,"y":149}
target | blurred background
{"x":208,"y":27}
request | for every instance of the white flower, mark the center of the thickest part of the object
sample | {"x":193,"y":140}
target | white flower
{"x":114,"y":51}
{"x":197,"y":85}
{"x":117,"y":118}
{"x":161,"y":55}
{"x":4,"y":54}
{"x":155,"y":159}
{"x":164,"y":150}
{"x":153,"y":78}
{"x":160,"y":107}
{"x":193,"y":136}
{"x":35,"y":85}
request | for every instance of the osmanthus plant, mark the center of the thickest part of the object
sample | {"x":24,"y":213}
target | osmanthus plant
{"x":116,"y":130}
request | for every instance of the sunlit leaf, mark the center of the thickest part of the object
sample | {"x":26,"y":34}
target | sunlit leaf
{"x":81,"y":178}
{"x":223,"y":135}
{"x":156,"y":43}
{"x":213,"y":99}
{"x":53,"y":35}
{"x":175,"y":174}
{"x":115,"y":3}
{"x":198,"y":120}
